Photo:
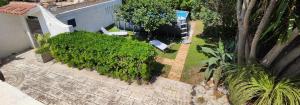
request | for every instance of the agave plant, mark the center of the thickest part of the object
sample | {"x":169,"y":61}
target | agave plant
{"x":42,"y":41}
{"x":217,"y":62}
{"x":254,"y":85}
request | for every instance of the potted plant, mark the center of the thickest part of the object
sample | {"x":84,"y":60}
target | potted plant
{"x":42,"y":51}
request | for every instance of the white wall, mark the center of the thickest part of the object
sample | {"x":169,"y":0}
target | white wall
{"x":49,"y":23}
{"x":13,"y":35}
{"x":91,"y":18}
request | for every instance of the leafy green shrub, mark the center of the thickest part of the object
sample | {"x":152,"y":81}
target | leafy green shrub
{"x":42,"y":41}
{"x":112,"y":56}
{"x":254,"y":85}
{"x":209,"y":17}
{"x":148,"y":14}
{"x":3,"y":2}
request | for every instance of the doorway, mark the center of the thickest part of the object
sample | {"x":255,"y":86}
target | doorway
{"x":34,"y":27}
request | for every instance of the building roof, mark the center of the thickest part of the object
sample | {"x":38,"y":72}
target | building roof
{"x":17,"y":8}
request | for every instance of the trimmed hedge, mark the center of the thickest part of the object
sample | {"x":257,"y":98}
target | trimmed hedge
{"x":113,"y":56}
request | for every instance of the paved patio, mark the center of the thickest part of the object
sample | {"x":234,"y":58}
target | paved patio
{"x":55,"y":83}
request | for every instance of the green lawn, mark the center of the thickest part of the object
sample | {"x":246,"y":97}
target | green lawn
{"x":194,"y":56}
{"x":191,"y":73}
{"x":170,"y":53}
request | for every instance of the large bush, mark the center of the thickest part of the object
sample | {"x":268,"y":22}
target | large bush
{"x":112,"y":56}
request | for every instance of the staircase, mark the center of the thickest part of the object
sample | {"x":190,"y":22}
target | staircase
{"x":182,"y":24}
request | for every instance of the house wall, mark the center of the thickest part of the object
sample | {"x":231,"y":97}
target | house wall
{"x":49,"y":23}
{"x":13,"y":35}
{"x":93,"y":17}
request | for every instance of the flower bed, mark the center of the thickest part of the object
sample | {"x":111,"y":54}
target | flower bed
{"x":112,"y":56}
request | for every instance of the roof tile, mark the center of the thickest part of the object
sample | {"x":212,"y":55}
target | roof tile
{"x":17,"y":8}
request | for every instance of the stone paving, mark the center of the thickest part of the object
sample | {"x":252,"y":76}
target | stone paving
{"x":56,"y":84}
{"x":10,"y":95}
{"x":205,"y":95}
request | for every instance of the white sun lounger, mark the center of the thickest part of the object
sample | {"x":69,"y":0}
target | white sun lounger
{"x":159,"y":44}
{"x":121,"y":33}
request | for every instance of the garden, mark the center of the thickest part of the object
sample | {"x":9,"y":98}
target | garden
{"x":249,"y":48}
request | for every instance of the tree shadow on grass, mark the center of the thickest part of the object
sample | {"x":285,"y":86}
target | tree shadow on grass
{"x":156,"y":71}
{"x":199,"y":49}
{"x":170,"y":51}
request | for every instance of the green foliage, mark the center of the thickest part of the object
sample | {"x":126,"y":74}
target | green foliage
{"x":149,"y":14}
{"x":218,"y":60}
{"x":43,"y":42}
{"x":193,"y":6}
{"x":282,"y":22}
{"x":209,"y":17}
{"x":196,"y":10}
{"x":182,"y":4}
{"x":3,"y":2}
{"x":218,"y":17}
{"x":223,"y":9}
{"x":253,"y":84}
{"x":113,"y":56}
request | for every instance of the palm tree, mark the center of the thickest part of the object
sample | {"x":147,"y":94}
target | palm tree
{"x":265,"y":22}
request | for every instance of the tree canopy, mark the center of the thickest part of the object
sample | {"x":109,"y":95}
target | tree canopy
{"x":149,"y":14}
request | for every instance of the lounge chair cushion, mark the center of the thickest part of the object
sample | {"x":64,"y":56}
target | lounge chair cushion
{"x":159,"y":44}
{"x":121,"y":33}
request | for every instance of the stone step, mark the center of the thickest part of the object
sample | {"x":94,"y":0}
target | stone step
{"x":185,"y":28}
{"x":184,"y":33}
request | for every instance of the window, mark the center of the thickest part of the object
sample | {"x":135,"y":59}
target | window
{"x":72,"y":22}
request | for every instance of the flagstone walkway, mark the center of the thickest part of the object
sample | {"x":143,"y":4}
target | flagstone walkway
{"x":57,"y":84}
{"x":177,"y":64}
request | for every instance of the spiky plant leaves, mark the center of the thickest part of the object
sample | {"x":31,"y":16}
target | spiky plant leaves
{"x":208,"y":50}
{"x":43,"y":45}
{"x":252,"y":84}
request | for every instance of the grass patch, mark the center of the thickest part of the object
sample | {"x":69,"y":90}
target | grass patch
{"x":169,"y":53}
{"x":191,"y":73}
{"x":194,"y":55}
{"x":116,"y":29}
{"x":198,"y":29}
